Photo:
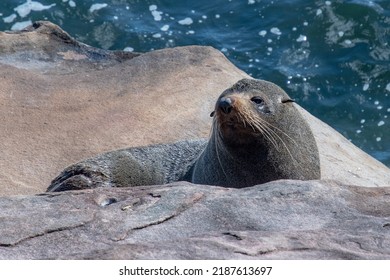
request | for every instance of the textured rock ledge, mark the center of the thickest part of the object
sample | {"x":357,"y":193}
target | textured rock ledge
{"x":278,"y":220}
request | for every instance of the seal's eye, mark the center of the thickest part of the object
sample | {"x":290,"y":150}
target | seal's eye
{"x":258,"y":100}
{"x":260,"y":104}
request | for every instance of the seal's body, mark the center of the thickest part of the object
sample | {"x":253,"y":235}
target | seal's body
{"x":257,"y":136}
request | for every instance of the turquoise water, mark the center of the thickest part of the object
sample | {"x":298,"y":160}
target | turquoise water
{"x":331,"y":56}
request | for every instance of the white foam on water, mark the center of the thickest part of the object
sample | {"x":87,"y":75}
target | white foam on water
{"x":302,"y":38}
{"x":276,"y":31}
{"x":319,"y":12}
{"x":251,"y":2}
{"x":128,"y":49}
{"x":366,"y":86}
{"x":263,"y":33}
{"x":157,"y":35}
{"x":186,"y":21}
{"x":388,"y":87}
{"x":10,"y":18}
{"x":26,"y":8}
{"x":21,"y":25}
{"x":156,"y":14}
{"x":96,"y":7}
{"x":165,"y":28}
{"x":378,"y":139}
{"x":72,"y":3}
{"x":381,"y":123}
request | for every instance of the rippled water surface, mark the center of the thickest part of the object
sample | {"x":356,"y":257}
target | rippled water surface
{"x":331,"y":56}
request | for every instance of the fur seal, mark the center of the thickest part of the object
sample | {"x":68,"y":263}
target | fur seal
{"x":257,"y":136}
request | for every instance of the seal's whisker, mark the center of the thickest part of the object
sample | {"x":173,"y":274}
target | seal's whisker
{"x":242,"y":120}
{"x":278,"y":129}
{"x":267,"y":126}
{"x":218,"y":146}
{"x":257,"y":127}
{"x":269,"y":134}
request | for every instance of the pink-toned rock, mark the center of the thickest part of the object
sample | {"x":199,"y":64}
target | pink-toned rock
{"x":279,"y":220}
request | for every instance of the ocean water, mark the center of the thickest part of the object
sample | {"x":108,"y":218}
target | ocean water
{"x":332,"y":57}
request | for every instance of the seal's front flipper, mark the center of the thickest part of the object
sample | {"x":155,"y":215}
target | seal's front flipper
{"x":80,"y":176}
{"x":121,"y":168}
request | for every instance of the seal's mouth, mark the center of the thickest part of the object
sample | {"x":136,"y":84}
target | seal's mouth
{"x":231,"y":122}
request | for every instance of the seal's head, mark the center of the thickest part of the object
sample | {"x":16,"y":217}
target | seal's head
{"x":258,"y":135}
{"x":250,"y":112}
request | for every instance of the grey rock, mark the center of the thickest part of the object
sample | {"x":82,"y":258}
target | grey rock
{"x":284,"y":219}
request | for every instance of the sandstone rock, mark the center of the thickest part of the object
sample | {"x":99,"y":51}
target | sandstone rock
{"x":279,"y":220}
{"x":343,"y":161}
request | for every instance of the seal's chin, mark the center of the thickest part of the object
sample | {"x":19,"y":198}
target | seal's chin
{"x":229,"y":123}
{"x":233,"y":132}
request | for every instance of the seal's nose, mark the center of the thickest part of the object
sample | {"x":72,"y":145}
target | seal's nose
{"x":225,"y":104}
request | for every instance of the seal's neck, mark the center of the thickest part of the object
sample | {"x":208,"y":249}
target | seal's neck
{"x":236,"y":137}
{"x":248,"y":148}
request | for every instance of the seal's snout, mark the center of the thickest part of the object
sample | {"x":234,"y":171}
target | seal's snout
{"x":225,"y":105}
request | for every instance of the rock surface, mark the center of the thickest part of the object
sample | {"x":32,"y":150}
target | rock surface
{"x":62,"y":101}
{"x":278,"y":220}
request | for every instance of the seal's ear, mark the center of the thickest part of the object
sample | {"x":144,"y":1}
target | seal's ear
{"x":212,"y":114}
{"x":287,"y":100}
